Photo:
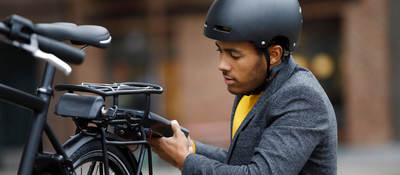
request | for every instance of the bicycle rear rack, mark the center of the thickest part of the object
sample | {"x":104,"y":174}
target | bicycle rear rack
{"x":116,"y":89}
{"x":125,"y":88}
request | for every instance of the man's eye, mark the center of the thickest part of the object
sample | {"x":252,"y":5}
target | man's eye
{"x":219,"y":50}
{"x":234,"y":56}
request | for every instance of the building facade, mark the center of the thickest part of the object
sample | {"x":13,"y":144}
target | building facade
{"x":350,"y":45}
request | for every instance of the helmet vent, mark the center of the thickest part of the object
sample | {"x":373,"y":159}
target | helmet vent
{"x":223,"y":28}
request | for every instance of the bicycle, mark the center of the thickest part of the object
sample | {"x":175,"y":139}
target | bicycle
{"x":103,"y":134}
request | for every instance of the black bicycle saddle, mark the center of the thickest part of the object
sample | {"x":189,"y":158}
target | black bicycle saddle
{"x":78,"y":34}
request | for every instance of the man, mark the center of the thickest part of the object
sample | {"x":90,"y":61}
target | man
{"x":282,"y":120}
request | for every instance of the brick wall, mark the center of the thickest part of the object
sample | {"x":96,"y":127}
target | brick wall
{"x":366,"y":72}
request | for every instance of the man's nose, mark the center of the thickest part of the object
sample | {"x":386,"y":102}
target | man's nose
{"x":223,"y":64}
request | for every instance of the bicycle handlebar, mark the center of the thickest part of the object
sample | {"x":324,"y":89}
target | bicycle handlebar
{"x":59,"y":49}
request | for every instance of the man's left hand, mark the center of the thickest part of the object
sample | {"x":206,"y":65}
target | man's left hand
{"x":173,"y":149}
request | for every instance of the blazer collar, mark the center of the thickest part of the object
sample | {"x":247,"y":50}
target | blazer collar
{"x":275,"y":84}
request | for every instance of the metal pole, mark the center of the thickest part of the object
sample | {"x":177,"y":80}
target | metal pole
{"x":141,"y":158}
{"x":150,"y":159}
{"x":103,"y":144}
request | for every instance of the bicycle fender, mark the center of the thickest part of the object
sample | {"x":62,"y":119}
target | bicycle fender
{"x":76,"y":141}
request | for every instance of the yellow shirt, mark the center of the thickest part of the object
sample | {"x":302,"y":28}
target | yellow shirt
{"x":243,"y":108}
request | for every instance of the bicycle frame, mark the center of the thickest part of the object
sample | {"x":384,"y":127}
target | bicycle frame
{"x":39,"y":104}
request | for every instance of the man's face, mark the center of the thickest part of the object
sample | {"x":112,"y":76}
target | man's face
{"x":242,"y":67}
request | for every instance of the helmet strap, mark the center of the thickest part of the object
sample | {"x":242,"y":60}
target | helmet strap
{"x":269,"y":73}
{"x":265,"y":83}
{"x":268,"y":57}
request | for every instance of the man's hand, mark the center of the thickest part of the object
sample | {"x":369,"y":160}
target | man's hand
{"x":173,"y":149}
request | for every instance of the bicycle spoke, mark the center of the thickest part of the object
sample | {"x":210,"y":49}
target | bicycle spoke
{"x":91,"y":168}
{"x":101,"y":168}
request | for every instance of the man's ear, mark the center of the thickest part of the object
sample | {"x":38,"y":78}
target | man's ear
{"x":275,"y":54}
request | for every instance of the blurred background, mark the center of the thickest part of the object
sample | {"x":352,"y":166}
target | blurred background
{"x":352,"y":46}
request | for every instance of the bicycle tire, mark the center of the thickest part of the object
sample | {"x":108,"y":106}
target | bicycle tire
{"x":91,"y":154}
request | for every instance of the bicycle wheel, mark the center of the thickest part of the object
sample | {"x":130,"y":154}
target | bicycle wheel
{"x":88,"y":159}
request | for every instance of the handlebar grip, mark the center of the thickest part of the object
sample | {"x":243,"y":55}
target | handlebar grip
{"x":61,"y":50}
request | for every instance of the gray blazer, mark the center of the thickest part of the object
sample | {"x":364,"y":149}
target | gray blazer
{"x":290,"y":130}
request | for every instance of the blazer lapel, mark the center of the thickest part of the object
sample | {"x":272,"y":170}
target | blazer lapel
{"x":243,"y":125}
{"x":235,"y":103}
{"x":280,"y":78}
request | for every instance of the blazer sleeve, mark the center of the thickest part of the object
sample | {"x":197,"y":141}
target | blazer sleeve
{"x":300,"y":121}
{"x":211,"y":152}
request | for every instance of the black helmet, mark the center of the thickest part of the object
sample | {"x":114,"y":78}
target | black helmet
{"x":258,"y":21}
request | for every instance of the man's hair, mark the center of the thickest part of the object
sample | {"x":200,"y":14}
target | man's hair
{"x":279,"y":40}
